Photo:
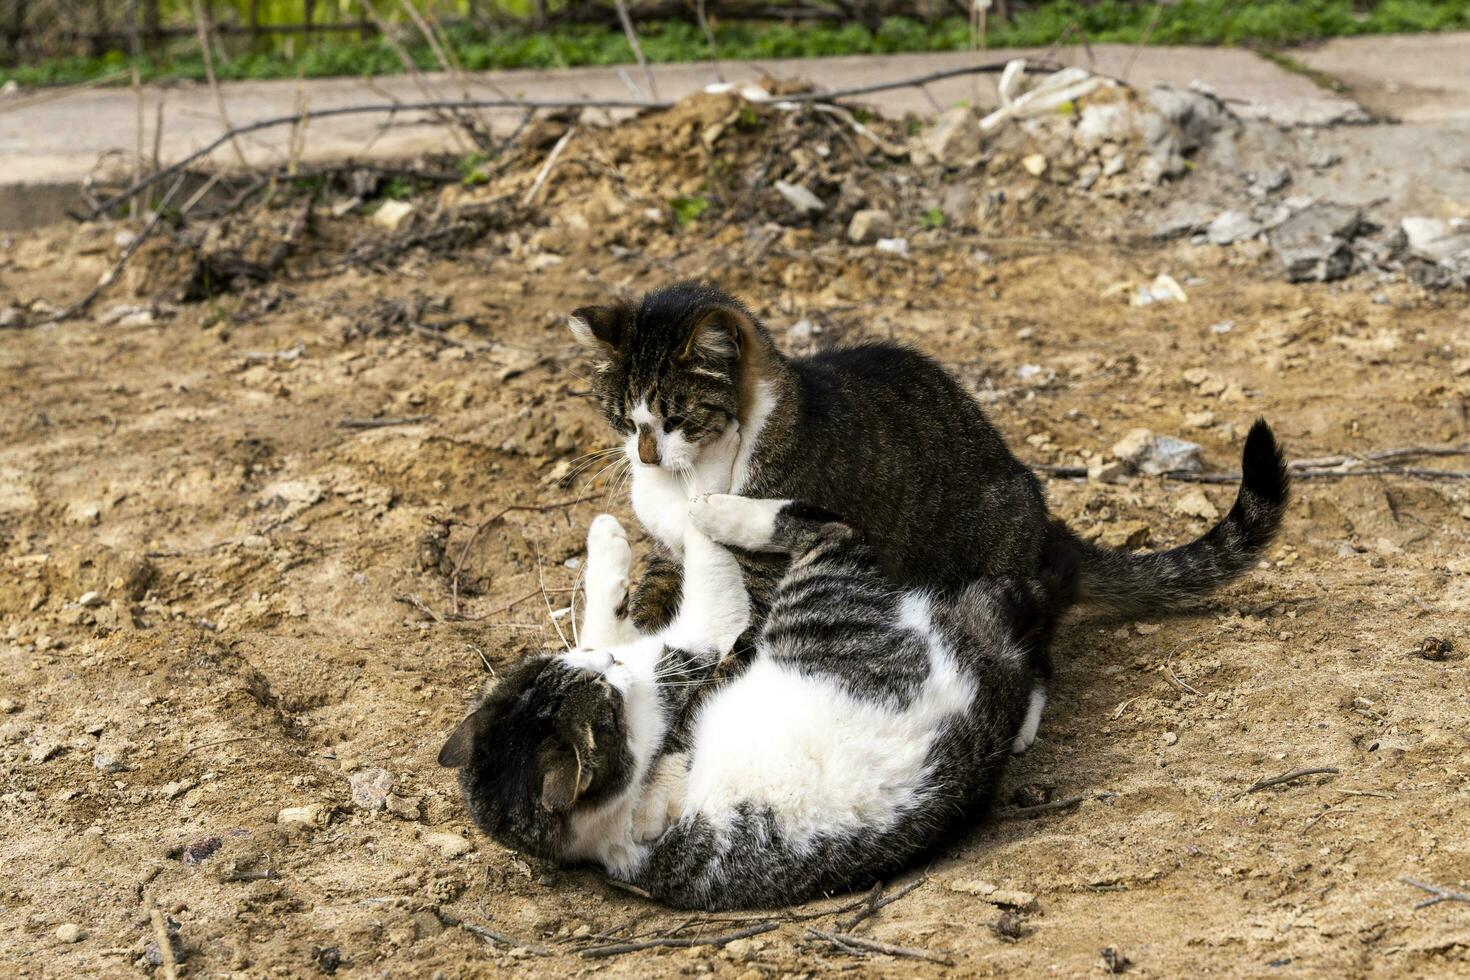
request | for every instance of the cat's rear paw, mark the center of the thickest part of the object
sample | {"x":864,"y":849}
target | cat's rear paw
{"x":741,"y":522}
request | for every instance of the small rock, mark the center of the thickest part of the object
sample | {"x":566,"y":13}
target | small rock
{"x":1103,"y":470}
{"x":1154,"y":454}
{"x":300,"y":817}
{"x":1273,"y":180}
{"x":1114,"y":961}
{"x":1169,"y":738}
{"x":869,"y":225}
{"x":1231,"y":227}
{"x":403,"y":807}
{"x":800,"y":198}
{"x":370,"y":788}
{"x":201,"y":850}
{"x":1199,"y":420}
{"x":1434,"y":648}
{"x":1196,"y":504}
{"x":43,"y":752}
{"x":392,"y":214}
{"x":1128,"y":536}
{"x":1008,"y":926}
{"x":68,"y":932}
{"x":1224,"y":326}
{"x":1164,"y":289}
{"x":89,"y":600}
{"x":955,"y":137}
{"x":327,"y":958}
{"x":1035,"y":164}
{"x":894,"y":246}
{"x":448,"y":845}
{"x":8,"y":706}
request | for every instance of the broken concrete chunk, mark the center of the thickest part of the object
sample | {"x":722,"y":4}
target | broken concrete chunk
{"x":955,"y":137}
{"x":1314,"y":243}
{"x":1231,"y":227}
{"x":1436,"y":239}
{"x":869,"y":226}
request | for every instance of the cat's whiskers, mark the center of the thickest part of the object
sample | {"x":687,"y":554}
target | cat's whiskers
{"x":587,"y":460}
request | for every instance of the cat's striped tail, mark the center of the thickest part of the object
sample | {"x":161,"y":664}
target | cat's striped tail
{"x":1152,"y":584}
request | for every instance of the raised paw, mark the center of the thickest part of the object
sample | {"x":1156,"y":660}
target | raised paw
{"x":741,"y":522}
{"x":609,"y":563}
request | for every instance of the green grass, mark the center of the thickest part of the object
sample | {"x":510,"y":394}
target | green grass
{"x":1265,"y":23}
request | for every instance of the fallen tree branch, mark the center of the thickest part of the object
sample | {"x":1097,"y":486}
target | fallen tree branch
{"x":677,"y":942}
{"x":1287,"y":777}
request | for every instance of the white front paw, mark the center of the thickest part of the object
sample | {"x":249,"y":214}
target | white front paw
{"x":609,"y":562}
{"x":737,"y":521}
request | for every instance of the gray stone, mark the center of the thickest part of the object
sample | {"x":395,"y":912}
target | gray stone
{"x":1155,"y":454}
{"x":1231,"y":227}
{"x":1315,"y":243}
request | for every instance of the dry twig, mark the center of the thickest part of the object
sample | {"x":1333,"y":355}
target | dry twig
{"x":1287,"y":777}
{"x":846,"y":942}
{"x":677,"y":942}
{"x":464,"y":553}
{"x":1439,"y":893}
{"x":169,"y":964}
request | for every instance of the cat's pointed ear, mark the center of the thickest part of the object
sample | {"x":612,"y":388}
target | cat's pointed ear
{"x":601,"y":329}
{"x":456,"y":751}
{"x":717,"y":332}
{"x":564,"y":779}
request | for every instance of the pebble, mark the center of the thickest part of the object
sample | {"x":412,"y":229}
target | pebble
{"x":1169,"y":738}
{"x":803,"y":200}
{"x":1196,"y":504}
{"x":1005,"y":897}
{"x":392,"y":214}
{"x":89,"y":600}
{"x":8,"y":707}
{"x":1035,"y":164}
{"x":370,"y":788}
{"x":68,"y":932}
{"x":869,"y":225}
{"x":954,"y":138}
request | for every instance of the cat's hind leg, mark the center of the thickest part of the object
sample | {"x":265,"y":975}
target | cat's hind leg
{"x":605,"y":621}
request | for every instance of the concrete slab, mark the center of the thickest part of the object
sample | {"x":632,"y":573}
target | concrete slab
{"x":1415,"y":78}
{"x":57,"y":141}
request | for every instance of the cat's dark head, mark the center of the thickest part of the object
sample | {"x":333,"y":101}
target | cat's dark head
{"x":675,"y":372}
{"x":548,"y":740}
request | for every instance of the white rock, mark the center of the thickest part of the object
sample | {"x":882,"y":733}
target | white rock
{"x":68,"y":932}
{"x":1196,"y":504}
{"x":955,"y":137}
{"x":392,"y":214}
{"x":1164,"y":289}
{"x":1435,"y":239}
{"x":310,"y":815}
{"x":800,"y":198}
{"x":1035,"y":164}
{"x":89,"y":600}
{"x":894,"y":246}
{"x":869,"y":226}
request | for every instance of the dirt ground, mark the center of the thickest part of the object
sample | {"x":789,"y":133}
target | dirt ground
{"x":219,"y":603}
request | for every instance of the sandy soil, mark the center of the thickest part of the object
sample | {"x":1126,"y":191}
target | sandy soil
{"x":218,"y":603}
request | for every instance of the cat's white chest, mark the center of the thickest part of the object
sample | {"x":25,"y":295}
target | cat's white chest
{"x":661,"y":504}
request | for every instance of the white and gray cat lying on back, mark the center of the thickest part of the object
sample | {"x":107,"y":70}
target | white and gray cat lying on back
{"x":867,"y":722}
